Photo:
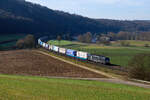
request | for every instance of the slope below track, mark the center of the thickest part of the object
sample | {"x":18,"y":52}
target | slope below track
{"x":77,"y":65}
{"x":29,"y":62}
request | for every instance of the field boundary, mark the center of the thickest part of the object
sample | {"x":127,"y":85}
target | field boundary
{"x":115,"y":81}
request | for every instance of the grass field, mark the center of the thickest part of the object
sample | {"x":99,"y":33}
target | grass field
{"x":62,"y":42}
{"x":119,"y":55}
{"x":134,"y":43}
{"x":37,"y":88}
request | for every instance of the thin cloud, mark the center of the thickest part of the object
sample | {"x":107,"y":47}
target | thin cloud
{"x":124,"y":9}
{"x":92,"y":1}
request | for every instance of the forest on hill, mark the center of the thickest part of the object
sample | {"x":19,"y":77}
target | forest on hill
{"x":25,"y":17}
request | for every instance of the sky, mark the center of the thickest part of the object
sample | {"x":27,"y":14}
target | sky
{"x":107,"y":9}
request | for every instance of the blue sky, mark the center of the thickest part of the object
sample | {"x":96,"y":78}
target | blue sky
{"x":111,"y":9}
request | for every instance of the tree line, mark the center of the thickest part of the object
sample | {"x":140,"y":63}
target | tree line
{"x":111,"y":36}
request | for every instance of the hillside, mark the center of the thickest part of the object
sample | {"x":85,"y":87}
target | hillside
{"x":126,"y":25}
{"x":38,"y":88}
{"x":25,"y":17}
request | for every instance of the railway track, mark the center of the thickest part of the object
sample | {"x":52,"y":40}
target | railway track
{"x":81,"y":55}
{"x":110,"y":66}
{"x":113,"y":67}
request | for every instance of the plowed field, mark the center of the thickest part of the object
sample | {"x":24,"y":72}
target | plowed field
{"x":28,"y":62}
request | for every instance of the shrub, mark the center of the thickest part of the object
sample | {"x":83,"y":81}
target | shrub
{"x":124,"y":43}
{"x":139,"y":67}
{"x":105,"y":42}
{"x":20,"y":44}
{"x":27,"y":42}
{"x":146,"y":45}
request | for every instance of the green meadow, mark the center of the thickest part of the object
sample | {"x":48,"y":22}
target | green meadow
{"x":137,"y":43}
{"x":38,"y":88}
{"x":119,"y":55}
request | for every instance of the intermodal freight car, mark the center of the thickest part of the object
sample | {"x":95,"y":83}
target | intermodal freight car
{"x":73,"y":53}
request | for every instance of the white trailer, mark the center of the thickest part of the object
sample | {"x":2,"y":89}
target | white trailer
{"x":82,"y":55}
{"x":44,"y":44}
{"x":62,"y":50}
{"x":55,"y":48}
{"x":50,"y":47}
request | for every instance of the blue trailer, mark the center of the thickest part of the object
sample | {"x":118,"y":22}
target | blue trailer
{"x":71,"y":53}
{"x":41,"y":43}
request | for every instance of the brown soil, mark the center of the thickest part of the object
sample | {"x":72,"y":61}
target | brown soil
{"x":27,"y":62}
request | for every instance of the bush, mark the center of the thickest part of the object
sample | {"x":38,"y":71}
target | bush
{"x":27,"y":42}
{"x":139,"y":67}
{"x":20,"y":44}
{"x":105,"y":43}
{"x":125,"y":43}
{"x":146,"y":45}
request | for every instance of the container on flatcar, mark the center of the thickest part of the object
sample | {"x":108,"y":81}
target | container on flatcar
{"x":47,"y":46}
{"x":71,"y":53}
{"x":62,"y":50}
{"x":55,"y":48}
{"x":82,"y":55}
{"x":44,"y":44}
{"x":41,"y":43}
{"x":50,"y":47}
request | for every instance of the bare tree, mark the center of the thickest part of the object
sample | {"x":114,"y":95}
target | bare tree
{"x":88,"y":37}
{"x":122,"y":35}
{"x":112,"y":36}
{"x":80,"y":38}
{"x":59,"y":39}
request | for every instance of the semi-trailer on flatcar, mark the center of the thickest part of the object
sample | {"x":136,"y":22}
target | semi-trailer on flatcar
{"x":47,"y":46}
{"x":82,"y":55}
{"x":55,"y":48}
{"x":50,"y":47}
{"x":62,"y":50}
{"x":70,"y":52}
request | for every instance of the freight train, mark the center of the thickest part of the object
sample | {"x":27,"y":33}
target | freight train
{"x":74,"y":53}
